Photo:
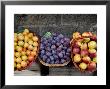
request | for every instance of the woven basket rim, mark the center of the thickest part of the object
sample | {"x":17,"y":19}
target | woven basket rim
{"x":53,"y":65}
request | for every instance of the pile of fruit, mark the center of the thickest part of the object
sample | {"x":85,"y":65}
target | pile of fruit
{"x":84,"y":51}
{"x":26,"y":47}
{"x":55,"y":49}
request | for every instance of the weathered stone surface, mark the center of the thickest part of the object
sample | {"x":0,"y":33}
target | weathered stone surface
{"x":82,"y":18}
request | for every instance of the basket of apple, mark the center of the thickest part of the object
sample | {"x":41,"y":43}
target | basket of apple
{"x":55,"y":50}
{"x":26,"y":49}
{"x":84,"y":51}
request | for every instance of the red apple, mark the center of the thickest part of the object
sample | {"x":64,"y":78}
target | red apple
{"x":84,"y":52}
{"x":30,"y":58}
{"x":76,"y":44}
{"x":86,"y":59}
{"x":94,"y":37}
{"x":91,"y":66}
{"x":76,"y":50}
{"x":93,"y":55}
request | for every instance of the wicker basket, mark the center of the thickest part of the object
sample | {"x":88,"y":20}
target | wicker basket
{"x":53,"y":65}
{"x":76,"y":64}
{"x":36,"y":53}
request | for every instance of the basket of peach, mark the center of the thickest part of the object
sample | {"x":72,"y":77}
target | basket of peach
{"x":84,"y":51}
{"x":26,"y":49}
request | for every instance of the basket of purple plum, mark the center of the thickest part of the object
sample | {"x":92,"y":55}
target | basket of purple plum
{"x":55,"y":50}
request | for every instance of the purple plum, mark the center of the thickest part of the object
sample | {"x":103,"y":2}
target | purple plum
{"x":60,"y":55}
{"x":60,"y":36}
{"x":53,"y":41}
{"x":63,"y":61}
{"x":48,"y":54}
{"x":43,"y":52}
{"x":53,"y":52}
{"x":44,"y":57}
{"x":69,"y":50}
{"x":48,"y":60}
{"x":51,"y":58}
{"x":62,"y":41}
{"x":57,"y":44}
{"x":51,"y":62}
{"x":53,"y":47}
{"x":59,"y":49}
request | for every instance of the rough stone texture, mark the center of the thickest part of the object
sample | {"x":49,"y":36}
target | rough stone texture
{"x":60,"y":23}
{"x":66,"y":24}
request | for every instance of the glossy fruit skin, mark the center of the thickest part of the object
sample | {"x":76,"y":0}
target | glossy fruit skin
{"x":20,"y":37}
{"x":23,"y":53}
{"x":92,"y":55}
{"x":95,"y":60}
{"x":26,"y":30}
{"x":30,"y":58}
{"x":87,"y":34}
{"x":86,"y":40}
{"x":92,"y":44}
{"x":24,"y":58}
{"x":83,"y":46}
{"x":76,"y":50}
{"x":76,"y":35}
{"x":84,"y":52}
{"x":55,"y":47}
{"x":28,"y":52}
{"x":23,"y":64}
{"x":92,"y":66}
{"x":18,"y":60}
{"x":60,"y":55}
{"x":77,"y":44}
{"x":24,"y":45}
{"x":18,"y":66}
{"x":35,"y":38}
{"x":94,"y":38}
{"x":17,"y":54}
{"x":77,"y":58}
{"x":33,"y":53}
{"x":20,"y":43}
{"x":87,"y":44}
{"x":30,"y":47}
{"x":86,"y":59}
{"x":83,"y":66}
{"x":92,"y":50}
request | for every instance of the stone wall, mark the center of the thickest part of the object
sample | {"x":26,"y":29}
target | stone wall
{"x":61,"y":23}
